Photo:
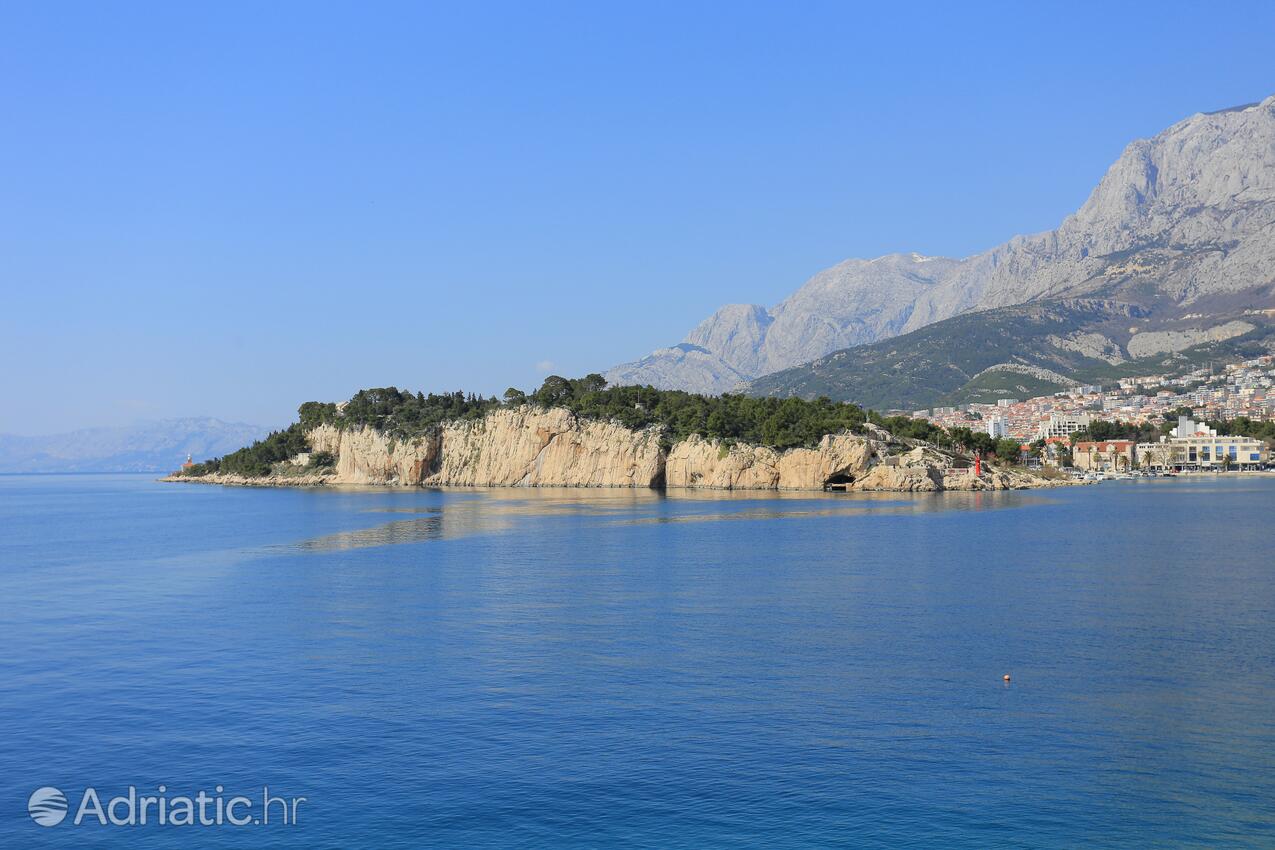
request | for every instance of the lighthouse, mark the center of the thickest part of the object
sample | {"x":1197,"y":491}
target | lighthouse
{"x":190,"y":461}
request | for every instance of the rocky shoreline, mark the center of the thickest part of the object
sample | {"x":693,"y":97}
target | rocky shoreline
{"x":533,"y":447}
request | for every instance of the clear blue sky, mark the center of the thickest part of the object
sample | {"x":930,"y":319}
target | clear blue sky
{"x":229,"y":209}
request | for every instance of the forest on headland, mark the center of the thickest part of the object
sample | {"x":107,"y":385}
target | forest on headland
{"x":779,"y":423}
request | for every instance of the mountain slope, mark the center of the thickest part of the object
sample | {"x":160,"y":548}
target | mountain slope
{"x":1034,"y":348}
{"x":1191,"y":210}
{"x":1189,"y":213}
{"x":159,"y":446}
{"x":854,"y":302}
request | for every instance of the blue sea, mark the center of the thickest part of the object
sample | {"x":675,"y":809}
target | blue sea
{"x":591,"y":668}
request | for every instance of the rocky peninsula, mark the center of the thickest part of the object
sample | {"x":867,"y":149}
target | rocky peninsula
{"x":529,"y":445}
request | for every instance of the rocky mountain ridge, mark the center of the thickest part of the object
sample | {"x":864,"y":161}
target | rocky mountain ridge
{"x":1182,"y":216}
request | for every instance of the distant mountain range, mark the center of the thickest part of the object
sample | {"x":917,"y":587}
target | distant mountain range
{"x":159,"y":446}
{"x":1174,"y":249}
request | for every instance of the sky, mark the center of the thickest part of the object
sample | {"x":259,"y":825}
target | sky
{"x":227,"y":209}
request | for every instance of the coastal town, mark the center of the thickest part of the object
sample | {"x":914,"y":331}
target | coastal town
{"x":1052,"y":429}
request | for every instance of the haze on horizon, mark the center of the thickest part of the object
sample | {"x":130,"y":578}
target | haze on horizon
{"x":227,"y":211}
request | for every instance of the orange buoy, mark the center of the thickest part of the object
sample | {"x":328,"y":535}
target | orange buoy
{"x":1005,"y":677}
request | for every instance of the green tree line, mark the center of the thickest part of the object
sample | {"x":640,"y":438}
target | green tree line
{"x":1243,"y":426}
{"x":780,"y":423}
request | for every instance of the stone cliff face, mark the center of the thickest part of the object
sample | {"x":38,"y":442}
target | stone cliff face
{"x":529,"y":447}
{"x":924,"y":470}
{"x":367,"y":456}
{"x":839,"y":459}
{"x":532,"y":447}
{"x":525,"y":447}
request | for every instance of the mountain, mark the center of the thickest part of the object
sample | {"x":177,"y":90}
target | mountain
{"x":852,"y":303}
{"x":1030,"y":349}
{"x":1184,"y":216}
{"x":159,"y":446}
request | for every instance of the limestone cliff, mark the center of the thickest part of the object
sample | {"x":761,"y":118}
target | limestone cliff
{"x":533,"y":447}
{"x":925,"y":470}
{"x":529,"y":447}
{"x":839,"y":459}
{"x":522,"y":447}
{"x":366,"y":456}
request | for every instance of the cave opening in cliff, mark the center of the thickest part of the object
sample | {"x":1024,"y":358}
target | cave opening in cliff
{"x":840,"y":481}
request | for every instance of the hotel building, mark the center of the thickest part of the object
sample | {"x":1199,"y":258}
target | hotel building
{"x":1193,"y":445}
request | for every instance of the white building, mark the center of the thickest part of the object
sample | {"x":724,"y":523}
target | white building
{"x":1193,"y":445}
{"x":997,"y":427}
{"x":1063,"y":425}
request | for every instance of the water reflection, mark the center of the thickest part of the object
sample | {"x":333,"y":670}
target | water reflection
{"x":439,"y":525}
{"x":892,"y":506}
{"x":501,"y":510}
{"x":771,"y":513}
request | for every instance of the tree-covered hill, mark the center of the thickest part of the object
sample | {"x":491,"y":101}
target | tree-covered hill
{"x":779,"y":423}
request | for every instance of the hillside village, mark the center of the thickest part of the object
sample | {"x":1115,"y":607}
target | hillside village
{"x":1237,"y":391}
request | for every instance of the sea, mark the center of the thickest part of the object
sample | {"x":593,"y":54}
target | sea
{"x":345,"y":668}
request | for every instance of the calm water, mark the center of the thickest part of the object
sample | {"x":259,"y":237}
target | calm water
{"x":607,"y":669}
